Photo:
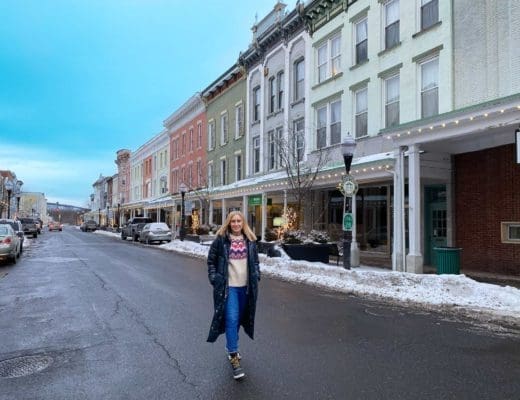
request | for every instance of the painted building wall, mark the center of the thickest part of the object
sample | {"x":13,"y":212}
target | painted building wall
{"x":486,"y":50}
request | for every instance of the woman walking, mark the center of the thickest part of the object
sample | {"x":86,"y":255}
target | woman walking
{"x":234,"y":272}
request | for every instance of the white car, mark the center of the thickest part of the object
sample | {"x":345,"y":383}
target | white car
{"x":155,"y":232}
{"x":9,"y":243}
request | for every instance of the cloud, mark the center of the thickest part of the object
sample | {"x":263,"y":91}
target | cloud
{"x":62,"y":176}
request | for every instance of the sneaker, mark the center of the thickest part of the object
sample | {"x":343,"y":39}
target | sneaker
{"x":234,"y":360}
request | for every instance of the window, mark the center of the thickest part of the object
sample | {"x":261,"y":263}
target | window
{"x":280,"y":83}
{"x":510,"y":232}
{"x":223,"y":172}
{"x":256,"y":104}
{"x":298,"y":139}
{"x":199,"y":135}
{"x":183,"y":143}
{"x":256,"y":154}
{"x":223,"y":129}
{"x":391,"y":24}
{"x":299,"y":77}
{"x":321,"y":132}
{"x":429,"y":13}
{"x":335,"y":122}
{"x":211,"y":135}
{"x":361,"y":119}
{"x":272,"y":94}
{"x":274,"y":141}
{"x":210,"y":175}
{"x":329,"y":58}
{"x":430,"y":88}
{"x":328,"y":124}
{"x":191,"y":139}
{"x":190,"y":175}
{"x":361,"y":41}
{"x":199,"y":172}
{"x":239,"y":121}
{"x":392,"y":101}
{"x":238,"y":167}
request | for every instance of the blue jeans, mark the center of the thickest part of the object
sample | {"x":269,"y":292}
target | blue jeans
{"x":235,"y":305}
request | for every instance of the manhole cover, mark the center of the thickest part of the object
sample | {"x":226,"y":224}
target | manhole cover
{"x":23,"y":366}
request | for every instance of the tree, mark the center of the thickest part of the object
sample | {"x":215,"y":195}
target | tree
{"x":301,"y":172}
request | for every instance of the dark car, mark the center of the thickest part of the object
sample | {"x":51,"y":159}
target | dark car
{"x":89,"y":226}
{"x":29,"y":226}
{"x":17,"y":227}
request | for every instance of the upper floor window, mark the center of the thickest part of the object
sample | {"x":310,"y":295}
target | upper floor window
{"x":391,"y":24}
{"x":329,"y":58}
{"x":298,"y":140}
{"x":199,"y":135}
{"x":224,"y":129}
{"x":211,"y":135}
{"x":430,"y":88}
{"x":256,"y":104}
{"x":191,"y":139}
{"x":328,"y":124}
{"x":361,"y":41}
{"x":280,"y":85}
{"x":361,"y":117}
{"x":183,"y":143}
{"x":274,"y":139}
{"x":239,"y":121}
{"x":256,"y":154}
{"x":392,"y":101}
{"x":429,"y":13}
{"x":272,"y":94}
{"x":238,"y":167}
{"x":199,"y":172}
{"x":299,"y":80}
{"x":223,"y":172}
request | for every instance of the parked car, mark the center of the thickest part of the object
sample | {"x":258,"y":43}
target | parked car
{"x":155,"y":232}
{"x":55,"y":226}
{"x":17,"y":227}
{"x":89,"y":225}
{"x":9,"y":243}
{"x":29,"y":226}
{"x":133,"y":228}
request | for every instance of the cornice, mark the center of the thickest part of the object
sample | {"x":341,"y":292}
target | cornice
{"x":194,"y":105}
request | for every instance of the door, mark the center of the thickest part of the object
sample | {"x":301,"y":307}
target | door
{"x":437,"y":236}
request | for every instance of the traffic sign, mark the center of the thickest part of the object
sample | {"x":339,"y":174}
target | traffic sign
{"x":348,"y":221}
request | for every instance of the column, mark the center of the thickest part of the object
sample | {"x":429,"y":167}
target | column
{"x":244,"y":206}
{"x":210,"y":213}
{"x":398,"y":212}
{"x":264,"y":214}
{"x":223,"y":209}
{"x":414,"y":259}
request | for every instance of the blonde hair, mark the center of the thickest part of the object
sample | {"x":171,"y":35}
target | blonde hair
{"x":226,"y":226}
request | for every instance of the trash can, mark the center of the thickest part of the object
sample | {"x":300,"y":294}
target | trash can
{"x":448,"y":260}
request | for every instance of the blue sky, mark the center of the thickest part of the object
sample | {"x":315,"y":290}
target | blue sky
{"x":81,"y":79}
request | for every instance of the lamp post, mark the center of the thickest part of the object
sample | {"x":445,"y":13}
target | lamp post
{"x":349,"y":189}
{"x":9,"y":187}
{"x":99,"y":217}
{"x":18,"y":191}
{"x":118,"y":215}
{"x":182,"y":232}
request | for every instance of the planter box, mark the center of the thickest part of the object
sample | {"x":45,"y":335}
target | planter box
{"x":308,"y":252}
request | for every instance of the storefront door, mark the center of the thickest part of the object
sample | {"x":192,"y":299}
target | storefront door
{"x":436,"y":222}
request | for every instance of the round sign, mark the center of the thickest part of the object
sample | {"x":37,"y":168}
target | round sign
{"x":349,"y":186}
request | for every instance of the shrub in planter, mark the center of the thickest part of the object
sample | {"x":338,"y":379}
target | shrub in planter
{"x":319,"y":236}
{"x":294,"y":237}
{"x":202,"y":230}
{"x":270,"y":235}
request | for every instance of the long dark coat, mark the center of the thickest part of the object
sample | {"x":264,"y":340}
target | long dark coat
{"x":218,"y":260}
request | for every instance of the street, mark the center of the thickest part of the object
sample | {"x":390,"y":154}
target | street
{"x":108,"y":319}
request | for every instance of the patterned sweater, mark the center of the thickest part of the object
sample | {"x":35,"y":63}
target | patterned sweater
{"x":237,"y":270}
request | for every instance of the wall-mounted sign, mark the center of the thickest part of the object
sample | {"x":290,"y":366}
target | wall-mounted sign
{"x":255,"y":200}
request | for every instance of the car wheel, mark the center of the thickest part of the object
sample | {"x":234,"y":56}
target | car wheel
{"x":35,"y":235}
{"x":123,"y":236}
{"x":13,"y":259}
{"x":136,"y":238}
{"x":21,"y":248}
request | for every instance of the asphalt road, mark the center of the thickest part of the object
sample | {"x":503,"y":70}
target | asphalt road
{"x":117,"y":320}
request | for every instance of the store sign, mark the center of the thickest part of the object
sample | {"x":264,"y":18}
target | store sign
{"x":255,"y":200}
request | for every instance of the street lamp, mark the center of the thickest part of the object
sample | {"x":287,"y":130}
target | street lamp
{"x":18,"y":191}
{"x":182,"y":232}
{"x":349,"y":189}
{"x":9,"y":187}
{"x":99,"y":217}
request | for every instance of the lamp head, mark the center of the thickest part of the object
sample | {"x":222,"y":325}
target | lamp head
{"x":347,"y":149}
{"x":183,"y":188}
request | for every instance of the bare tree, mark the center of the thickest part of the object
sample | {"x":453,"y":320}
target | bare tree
{"x":301,"y":173}
{"x":202,"y":189}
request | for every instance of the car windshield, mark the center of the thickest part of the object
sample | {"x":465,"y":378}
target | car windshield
{"x":4,"y":230}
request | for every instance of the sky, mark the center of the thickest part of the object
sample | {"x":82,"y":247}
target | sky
{"x":453,"y":294}
{"x":82,"y":79}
